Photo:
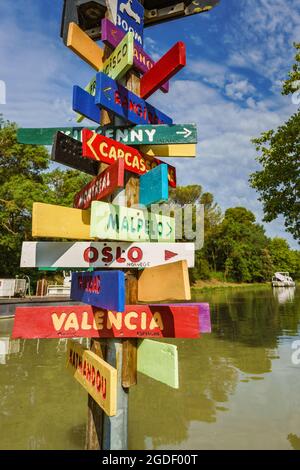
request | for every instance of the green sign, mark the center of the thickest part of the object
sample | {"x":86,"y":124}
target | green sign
{"x":121,"y":60}
{"x":112,"y":222}
{"x":137,"y":135}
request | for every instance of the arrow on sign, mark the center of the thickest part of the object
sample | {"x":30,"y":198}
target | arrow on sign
{"x":169,"y":255}
{"x":186,"y":132}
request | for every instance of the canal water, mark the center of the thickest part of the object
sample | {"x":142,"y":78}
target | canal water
{"x":239,"y":386}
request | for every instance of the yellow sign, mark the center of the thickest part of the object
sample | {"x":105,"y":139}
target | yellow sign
{"x":165,"y":283}
{"x":176,"y":150}
{"x":97,"y":377}
{"x":60,"y":222}
{"x":88,"y":50}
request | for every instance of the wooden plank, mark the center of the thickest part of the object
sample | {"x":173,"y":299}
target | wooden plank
{"x":118,"y":255}
{"x":102,"y":186}
{"x":164,"y":283}
{"x":154,"y":187}
{"x":95,"y":375}
{"x":87,"y":49}
{"x":112,"y":96}
{"x":100,"y":148}
{"x":159,"y":361}
{"x":113,"y":222}
{"x":121,"y":59}
{"x":84,"y":321}
{"x":84,"y":104}
{"x":168,"y":66}
{"x":181,"y":150}
{"x":68,"y":151}
{"x":130,"y":17}
{"x":91,"y":89}
{"x":111,"y":35}
{"x":45,"y":135}
{"x":204,"y":316}
{"x":104,"y":289}
{"x":60,"y":222}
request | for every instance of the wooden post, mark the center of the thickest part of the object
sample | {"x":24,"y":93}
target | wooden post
{"x":103,"y":432}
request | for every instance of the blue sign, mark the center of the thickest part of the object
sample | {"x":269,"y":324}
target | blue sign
{"x":104,"y":289}
{"x":130,"y":17}
{"x":84,"y":103}
{"x":154,"y":186}
{"x":114,"y":97}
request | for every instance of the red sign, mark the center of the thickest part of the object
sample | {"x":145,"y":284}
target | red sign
{"x":101,"y":186}
{"x":84,"y":321}
{"x":101,"y":148}
{"x":170,"y":64}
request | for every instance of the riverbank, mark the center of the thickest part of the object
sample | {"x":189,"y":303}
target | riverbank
{"x":202,"y":286}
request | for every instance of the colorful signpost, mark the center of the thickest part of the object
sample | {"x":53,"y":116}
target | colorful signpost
{"x":182,"y":150}
{"x":164,"y":283}
{"x":106,"y":150}
{"x":84,"y":321}
{"x":168,"y":66}
{"x":91,"y":89}
{"x":104,"y":289}
{"x":68,"y":151}
{"x":137,"y":135}
{"x":102,"y":186}
{"x":129,"y":15}
{"x":120,"y":255}
{"x":84,"y":104}
{"x":111,"y":35}
{"x":112,"y":96}
{"x":159,"y":361}
{"x":95,"y":375}
{"x":113,"y":222}
{"x":121,"y":59}
{"x":154,"y":186}
{"x":88,"y":50}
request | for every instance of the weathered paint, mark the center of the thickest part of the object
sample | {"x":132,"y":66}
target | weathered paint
{"x":102,"y":186}
{"x":106,"y":150}
{"x":111,"y":35}
{"x":95,"y":375}
{"x":129,"y":16}
{"x":104,"y":289}
{"x":159,"y":361}
{"x":180,"y":150}
{"x":118,"y":255}
{"x":168,"y":66}
{"x":164,"y":283}
{"x":112,"y":96}
{"x":84,"y":321}
{"x":60,"y":222}
{"x":154,"y":187}
{"x":113,"y":222}
{"x":121,"y":59}
{"x":87,"y":49}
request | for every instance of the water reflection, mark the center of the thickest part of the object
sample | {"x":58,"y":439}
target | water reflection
{"x":284,"y":294}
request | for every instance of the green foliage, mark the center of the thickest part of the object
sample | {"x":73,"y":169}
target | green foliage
{"x":278,"y":182}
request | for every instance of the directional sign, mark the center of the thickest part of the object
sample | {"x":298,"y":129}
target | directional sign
{"x":121,"y":60}
{"x":181,"y":150}
{"x":102,"y":186}
{"x":104,"y":289}
{"x":168,"y":66}
{"x":91,"y":89}
{"x":84,"y":321}
{"x":164,"y":283}
{"x":129,"y":15}
{"x":97,"y":377}
{"x":60,"y":222}
{"x":104,"y":255}
{"x":137,"y":135}
{"x":204,"y":316}
{"x":113,"y":222}
{"x":111,"y":35}
{"x":154,"y":187}
{"x":116,"y":98}
{"x":106,"y":150}
{"x":88,"y":50}
{"x":68,"y":151}
{"x":84,"y":104}
{"x":158,"y":361}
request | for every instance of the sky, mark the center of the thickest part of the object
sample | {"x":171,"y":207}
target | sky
{"x":238,"y":54}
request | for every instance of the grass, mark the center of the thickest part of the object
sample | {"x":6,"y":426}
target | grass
{"x":202,"y":286}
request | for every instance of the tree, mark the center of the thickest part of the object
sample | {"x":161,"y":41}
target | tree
{"x":278,"y":182}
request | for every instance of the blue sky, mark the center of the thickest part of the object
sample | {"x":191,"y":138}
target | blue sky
{"x":238,"y":55}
